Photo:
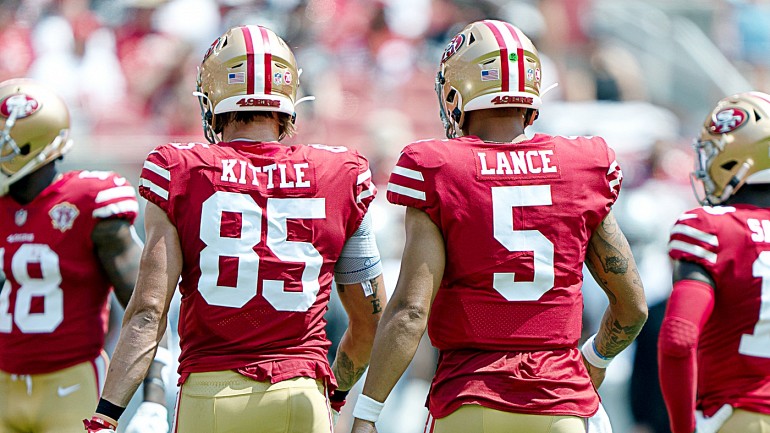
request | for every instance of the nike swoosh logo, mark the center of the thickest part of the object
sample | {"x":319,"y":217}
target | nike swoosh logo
{"x":63,"y":392}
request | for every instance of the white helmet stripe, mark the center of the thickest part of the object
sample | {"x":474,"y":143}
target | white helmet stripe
{"x":258,"y":60}
{"x":509,"y":42}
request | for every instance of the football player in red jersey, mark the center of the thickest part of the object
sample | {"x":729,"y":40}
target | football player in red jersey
{"x":256,"y":230}
{"x":66,"y":240}
{"x":498,"y":226}
{"x":714,"y":343}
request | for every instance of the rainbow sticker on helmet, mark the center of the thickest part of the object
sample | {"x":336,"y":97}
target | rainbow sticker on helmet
{"x":728,"y":120}
{"x":24,"y":105}
{"x":454,"y":45}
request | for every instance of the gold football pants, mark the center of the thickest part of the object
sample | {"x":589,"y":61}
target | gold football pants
{"x":50,"y":403}
{"x":225,"y":401}
{"x":471,"y":418}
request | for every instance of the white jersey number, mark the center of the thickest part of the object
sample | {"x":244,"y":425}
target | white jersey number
{"x":278,"y":211}
{"x":47,"y":286}
{"x":758,"y":343}
{"x":504,"y":199}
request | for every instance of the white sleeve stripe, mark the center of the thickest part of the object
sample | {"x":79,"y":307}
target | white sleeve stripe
{"x":408,"y":172}
{"x":614,"y":183}
{"x":113,"y":193}
{"x":695,"y":250}
{"x":160,"y":192}
{"x":364,"y":194}
{"x":155,"y":168}
{"x":363,"y":177}
{"x":687,"y":216}
{"x":409,"y":192}
{"x":698,"y":235}
{"x":116,"y":208}
{"x":614,"y":166}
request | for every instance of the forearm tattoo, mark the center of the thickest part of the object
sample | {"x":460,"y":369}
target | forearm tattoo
{"x":605,"y":260}
{"x":616,"y":337}
{"x":613,"y":260}
{"x":346,"y":372}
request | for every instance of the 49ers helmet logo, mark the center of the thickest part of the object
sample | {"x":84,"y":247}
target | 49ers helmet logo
{"x":728,"y":120}
{"x":24,"y":105}
{"x":453,"y":47}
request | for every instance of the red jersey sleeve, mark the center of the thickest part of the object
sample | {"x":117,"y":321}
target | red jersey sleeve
{"x":412,"y":181}
{"x":693,"y":239}
{"x":614,"y":173}
{"x":689,"y":307}
{"x":113,"y":195}
{"x":155,"y":180}
{"x":365,"y":191}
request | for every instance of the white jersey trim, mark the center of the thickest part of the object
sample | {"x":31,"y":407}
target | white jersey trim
{"x":364,"y":194}
{"x":160,"y":171}
{"x":408,"y":172}
{"x":155,"y":189}
{"x":120,"y":207}
{"x":113,"y":193}
{"x":363,"y":177}
{"x":694,"y":250}
{"x":698,"y":235}
{"x":409,"y":192}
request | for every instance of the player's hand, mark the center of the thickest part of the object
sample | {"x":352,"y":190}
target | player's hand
{"x":361,"y":426}
{"x":597,"y":374}
{"x":713,"y":423}
{"x":99,"y":425}
{"x":600,"y":422}
{"x":149,"y":418}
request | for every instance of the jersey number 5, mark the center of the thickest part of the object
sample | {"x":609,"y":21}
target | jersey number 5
{"x":278,"y":210}
{"x":504,"y":199}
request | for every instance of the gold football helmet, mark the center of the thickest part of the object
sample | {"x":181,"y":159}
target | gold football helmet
{"x":34,"y":129}
{"x":249,"y":68}
{"x":489,"y":64}
{"x":733,"y":147}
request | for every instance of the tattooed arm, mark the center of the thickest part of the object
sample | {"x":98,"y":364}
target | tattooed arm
{"x":612,"y":265}
{"x":364,"y":312}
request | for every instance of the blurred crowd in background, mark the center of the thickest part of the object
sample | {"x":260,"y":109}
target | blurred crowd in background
{"x":642,"y":74}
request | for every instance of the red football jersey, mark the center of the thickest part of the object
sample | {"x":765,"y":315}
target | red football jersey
{"x":53,"y":307}
{"x":261,"y":226}
{"x":733,"y":244}
{"x":516,"y":220}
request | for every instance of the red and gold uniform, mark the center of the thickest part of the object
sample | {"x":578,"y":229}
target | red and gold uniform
{"x":54,"y":305}
{"x":732,"y":243}
{"x":516,"y":220}
{"x":261,"y":226}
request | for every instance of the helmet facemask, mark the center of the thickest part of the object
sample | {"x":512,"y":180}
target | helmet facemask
{"x":35,"y":129}
{"x":733,"y":148}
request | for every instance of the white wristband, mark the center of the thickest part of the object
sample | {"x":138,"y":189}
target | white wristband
{"x":367,"y":408}
{"x":593,"y":356}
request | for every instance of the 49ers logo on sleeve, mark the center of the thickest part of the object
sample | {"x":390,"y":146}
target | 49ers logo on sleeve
{"x":23,"y":105}
{"x":453,"y":46}
{"x":728,"y":120}
{"x":63,"y":216}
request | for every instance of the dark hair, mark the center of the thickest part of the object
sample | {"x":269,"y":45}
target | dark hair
{"x":285,"y":124}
